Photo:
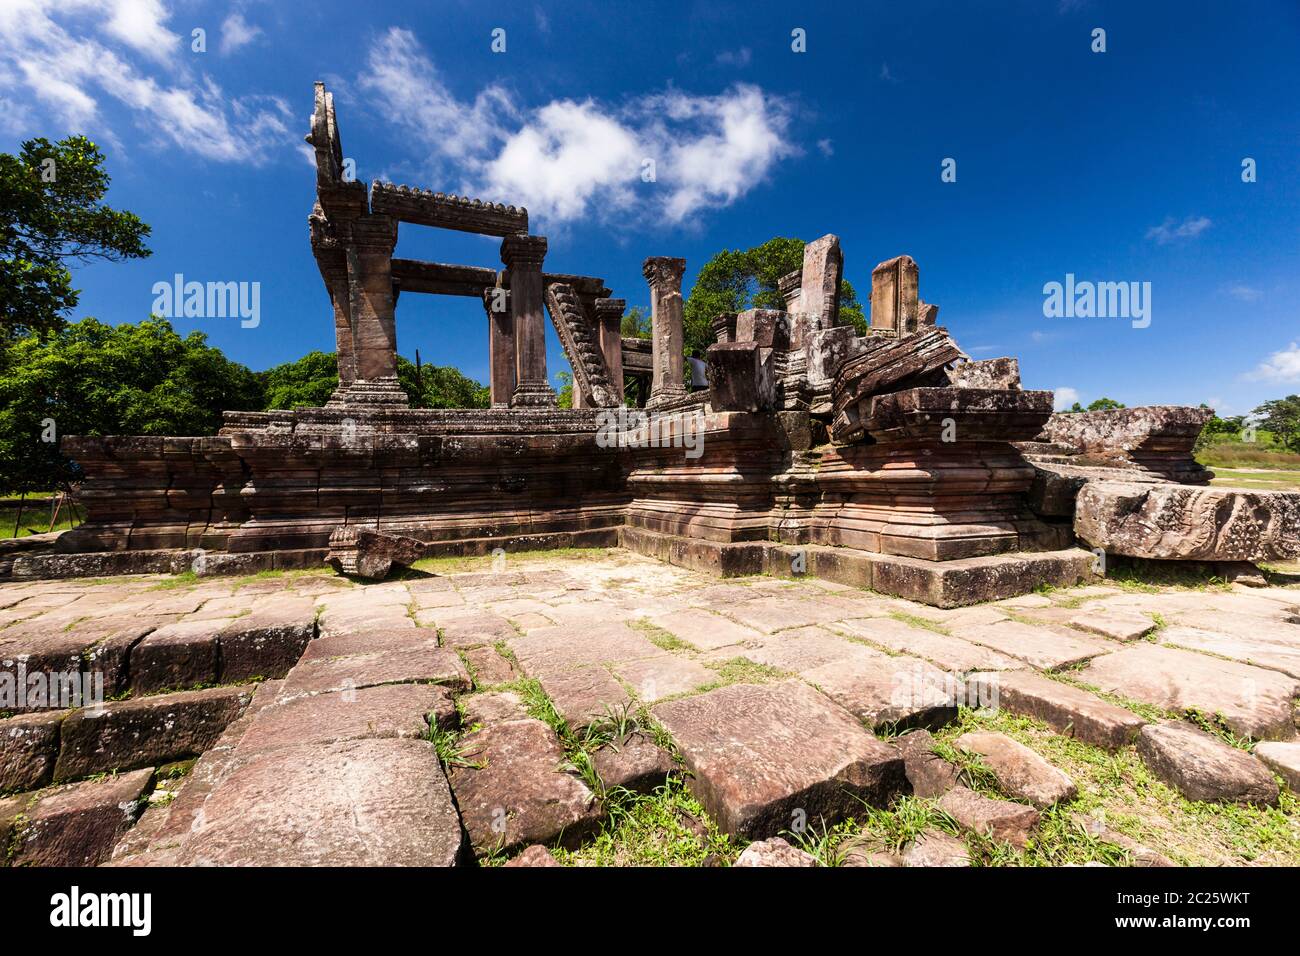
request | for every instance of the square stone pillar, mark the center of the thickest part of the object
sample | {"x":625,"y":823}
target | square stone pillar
{"x":523,"y":257}
{"x":609,"y":327}
{"x":819,"y":296}
{"x":894,"y":298}
{"x":501,"y":345}
{"x":371,"y":307}
{"x":667,"y":334}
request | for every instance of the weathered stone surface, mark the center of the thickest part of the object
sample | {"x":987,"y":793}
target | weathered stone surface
{"x":886,"y":691}
{"x":175,"y":656}
{"x":1263,"y":643}
{"x":488,"y":666}
{"x":928,"y":773}
{"x":1202,"y":767}
{"x":998,"y":819}
{"x":432,"y":665}
{"x":1066,"y":709}
{"x":520,"y":795}
{"x":636,"y":764}
{"x":584,"y":693}
{"x":950,"y":653}
{"x":703,"y":629}
{"x":802,"y":649}
{"x":368,"y":553}
{"x":1115,"y":623}
{"x":1252,"y":701}
{"x":1020,"y":772}
{"x":391,"y":710}
{"x":492,"y":707}
{"x":1043,"y":647}
{"x":1181,"y":522}
{"x":664,"y":675}
{"x":355,"y":803}
{"x":147,"y":731}
{"x":759,"y":753}
{"x":1154,"y":440}
{"x":535,"y":855}
{"x":774,"y":851}
{"x":1283,"y":759}
{"x":936,"y":848}
{"x":374,"y":641}
{"x":79,"y":825}
{"x":1142,"y":855}
{"x":29,"y":746}
{"x":987,"y":373}
{"x":267,"y":642}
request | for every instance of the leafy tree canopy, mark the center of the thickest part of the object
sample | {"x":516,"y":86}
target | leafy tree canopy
{"x":95,"y":379}
{"x":1100,"y":405}
{"x":52,"y":214}
{"x":739,"y":279}
{"x":1281,"y":416}
{"x":636,"y":324}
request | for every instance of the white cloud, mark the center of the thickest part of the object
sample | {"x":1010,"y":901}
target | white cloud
{"x":1244,"y":293}
{"x":1283,"y":366}
{"x":72,"y":54}
{"x":827,"y":147}
{"x":1065,"y":398}
{"x":887,"y":75}
{"x":237,"y":32}
{"x":567,"y":159}
{"x":739,"y":57}
{"x":1169,"y":231}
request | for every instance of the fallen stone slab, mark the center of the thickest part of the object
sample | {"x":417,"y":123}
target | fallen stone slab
{"x":146,"y":731}
{"x":390,"y":710}
{"x":1252,"y":701}
{"x":1283,"y":759}
{"x":426,"y":665}
{"x":29,"y":747}
{"x":997,"y":819}
{"x":929,"y":774}
{"x":267,"y":642}
{"x":774,"y":851}
{"x":761,"y":753}
{"x":368,"y":553}
{"x":1066,"y":709}
{"x":936,"y":848}
{"x":355,"y":803}
{"x":535,"y":855}
{"x":950,"y":653}
{"x":883,"y":691}
{"x":1021,"y":773}
{"x":1117,"y":624}
{"x":78,"y":825}
{"x":515,"y":792}
{"x":1042,"y":647}
{"x":175,"y":656}
{"x":636,"y":764}
{"x":1202,"y":767}
{"x":1188,"y":523}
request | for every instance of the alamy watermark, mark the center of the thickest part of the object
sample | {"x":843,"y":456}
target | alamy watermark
{"x":208,"y":300}
{"x":23,"y":690}
{"x":635,"y":428}
{"x":1102,"y":300}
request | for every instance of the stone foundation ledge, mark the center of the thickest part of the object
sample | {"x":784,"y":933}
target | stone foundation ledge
{"x":944,"y":584}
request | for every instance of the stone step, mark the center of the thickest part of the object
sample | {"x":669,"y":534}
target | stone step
{"x":1066,"y":709}
{"x":1021,"y":773}
{"x":1202,"y":767}
{"x":78,"y":824}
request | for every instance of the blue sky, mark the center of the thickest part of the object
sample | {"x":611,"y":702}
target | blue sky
{"x":1115,"y":166}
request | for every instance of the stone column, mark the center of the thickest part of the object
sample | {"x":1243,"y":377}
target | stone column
{"x":609,"y":326}
{"x":501,"y":345}
{"x":667,"y":336}
{"x":523,"y":257}
{"x":336,"y":281}
{"x":371,"y":305}
{"x":819,"y":297}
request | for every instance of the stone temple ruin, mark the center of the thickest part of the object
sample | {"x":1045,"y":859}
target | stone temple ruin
{"x":889,"y":461}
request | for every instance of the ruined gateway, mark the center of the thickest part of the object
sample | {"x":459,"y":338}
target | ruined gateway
{"x":889,"y":461}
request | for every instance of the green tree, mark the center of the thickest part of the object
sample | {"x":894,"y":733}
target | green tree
{"x":1281,"y":416}
{"x":739,"y":279}
{"x":51,"y":215}
{"x":308,"y":382}
{"x":636,"y":324}
{"x":1104,"y":405}
{"x":94,"y":379}
{"x":564,"y":394}
{"x":440,"y":386}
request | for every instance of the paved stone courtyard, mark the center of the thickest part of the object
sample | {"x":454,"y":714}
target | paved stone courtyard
{"x":602,"y":708}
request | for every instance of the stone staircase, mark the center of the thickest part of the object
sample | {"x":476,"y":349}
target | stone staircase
{"x":590,"y":376}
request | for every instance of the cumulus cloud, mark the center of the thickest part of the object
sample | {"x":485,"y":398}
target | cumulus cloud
{"x":1282,"y":367}
{"x":739,"y":57}
{"x":237,"y":32}
{"x":1171,"y":231}
{"x":1244,"y":293}
{"x":672,"y":154}
{"x":73,"y":56}
{"x":1065,"y":397}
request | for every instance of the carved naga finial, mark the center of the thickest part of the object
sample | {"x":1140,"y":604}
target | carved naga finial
{"x":324,"y":138}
